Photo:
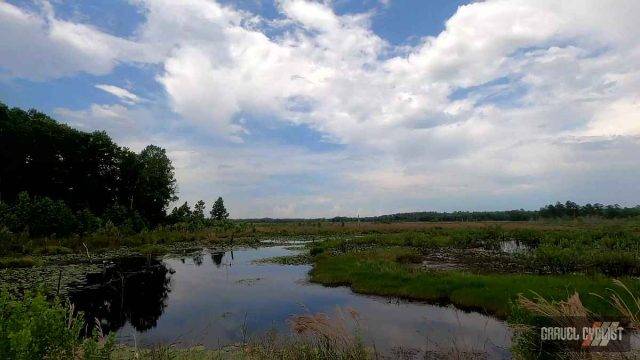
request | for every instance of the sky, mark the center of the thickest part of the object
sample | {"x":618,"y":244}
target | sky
{"x":300,"y":108}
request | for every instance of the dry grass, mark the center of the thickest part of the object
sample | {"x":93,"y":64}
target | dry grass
{"x":628,"y":309}
{"x":316,"y":336}
{"x":572,"y":307}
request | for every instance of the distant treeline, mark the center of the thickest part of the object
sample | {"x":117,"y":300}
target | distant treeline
{"x":56,"y":179}
{"x":558,"y":210}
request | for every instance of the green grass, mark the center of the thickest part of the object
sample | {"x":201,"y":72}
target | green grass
{"x":377,"y":272}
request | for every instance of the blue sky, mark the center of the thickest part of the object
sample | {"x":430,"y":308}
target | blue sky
{"x":300,"y":108}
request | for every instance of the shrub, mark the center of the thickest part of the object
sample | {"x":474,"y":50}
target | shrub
{"x":41,"y":216}
{"x":33,"y":328}
{"x":87,"y":222}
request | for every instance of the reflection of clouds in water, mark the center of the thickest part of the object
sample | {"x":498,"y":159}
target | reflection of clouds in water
{"x":208,"y":304}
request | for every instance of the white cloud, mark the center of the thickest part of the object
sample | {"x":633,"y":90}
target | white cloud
{"x":39,"y":46}
{"x":510,"y":100}
{"x":134,"y":127}
{"x":123,"y":94}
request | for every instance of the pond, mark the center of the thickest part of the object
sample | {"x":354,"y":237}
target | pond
{"x":219,"y":298}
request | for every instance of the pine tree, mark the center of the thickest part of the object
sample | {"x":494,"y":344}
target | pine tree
{"x":198,"y":211}
{"x":218,"y":211}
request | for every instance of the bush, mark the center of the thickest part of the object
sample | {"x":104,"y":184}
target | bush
{"x":33,"y":328}
{"x":39,"y":216}
{"x":87,"y":222}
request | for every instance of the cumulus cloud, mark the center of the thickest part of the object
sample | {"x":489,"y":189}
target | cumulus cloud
{"x":39,"y":46}
{"x":513,"y":98}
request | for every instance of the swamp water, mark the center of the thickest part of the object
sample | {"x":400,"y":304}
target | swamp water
{"x":221,"y":298}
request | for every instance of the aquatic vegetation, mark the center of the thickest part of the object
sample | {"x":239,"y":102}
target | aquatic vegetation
{"x":298,"y":259}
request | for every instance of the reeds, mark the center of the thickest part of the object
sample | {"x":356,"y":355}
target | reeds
{"x":316,"y":337}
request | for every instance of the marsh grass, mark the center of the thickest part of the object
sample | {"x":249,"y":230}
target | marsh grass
{"x":316,"y":337}
{"x":607,"y":250}
{"x":17,"y":262}
{"x":377,"y":272}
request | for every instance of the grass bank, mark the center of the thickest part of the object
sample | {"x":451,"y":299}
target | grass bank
{"x":378,"y":272}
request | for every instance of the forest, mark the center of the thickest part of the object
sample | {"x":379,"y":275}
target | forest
{"x":56,"y":179}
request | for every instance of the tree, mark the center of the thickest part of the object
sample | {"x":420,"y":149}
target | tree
{"x":198,"y":211}
{"x":218,"y":211}
{"x":84,"y":170}
{"x":180,"y":214}
{"x":157,"y":185}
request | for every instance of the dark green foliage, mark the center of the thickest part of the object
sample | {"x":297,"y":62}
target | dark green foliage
{"x":33,"y":328}
{"x":558,"y":210}
{"x":87,"y":222}
{"x":49,"y":160}
{"x":572,"y":210}
{"x":180,"y":214}
{"x":155,"y":186}
{"x":41,"y":216}
{"x":218,"y":211}
{"x":198,"y":212}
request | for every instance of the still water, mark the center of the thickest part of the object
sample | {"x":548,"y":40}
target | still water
{"x":220,"y":298}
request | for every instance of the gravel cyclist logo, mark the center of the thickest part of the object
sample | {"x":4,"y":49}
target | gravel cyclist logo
{"x":594,"y":336}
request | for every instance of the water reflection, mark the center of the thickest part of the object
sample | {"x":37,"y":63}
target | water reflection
{"x":217,"y":258}
{"x":212,"y":298}
{"x":133,"y":290}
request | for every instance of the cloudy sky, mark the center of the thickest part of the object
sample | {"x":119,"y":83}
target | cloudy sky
{"x":297,"y":108}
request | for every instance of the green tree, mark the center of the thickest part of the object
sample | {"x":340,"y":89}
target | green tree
{"x":218,"y":211}
{"x":84,"y":170}
{"x":198,"y":211}
{"x":180,"y":214}
{"x":156,"y":186}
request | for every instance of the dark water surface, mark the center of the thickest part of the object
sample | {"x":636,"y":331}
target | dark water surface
{"x":220,"y":298}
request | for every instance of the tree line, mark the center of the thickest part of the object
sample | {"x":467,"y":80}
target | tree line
{"x":571,"y":209}
{"x":55,"y":179}
{"x":558,"y":210}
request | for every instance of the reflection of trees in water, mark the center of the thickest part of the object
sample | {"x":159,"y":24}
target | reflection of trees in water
{"x":216,"y":257}
{"x":134,"y":289}
{"x":197,"y":258}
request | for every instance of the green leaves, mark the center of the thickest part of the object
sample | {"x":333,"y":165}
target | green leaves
{"x":33,"y":328}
